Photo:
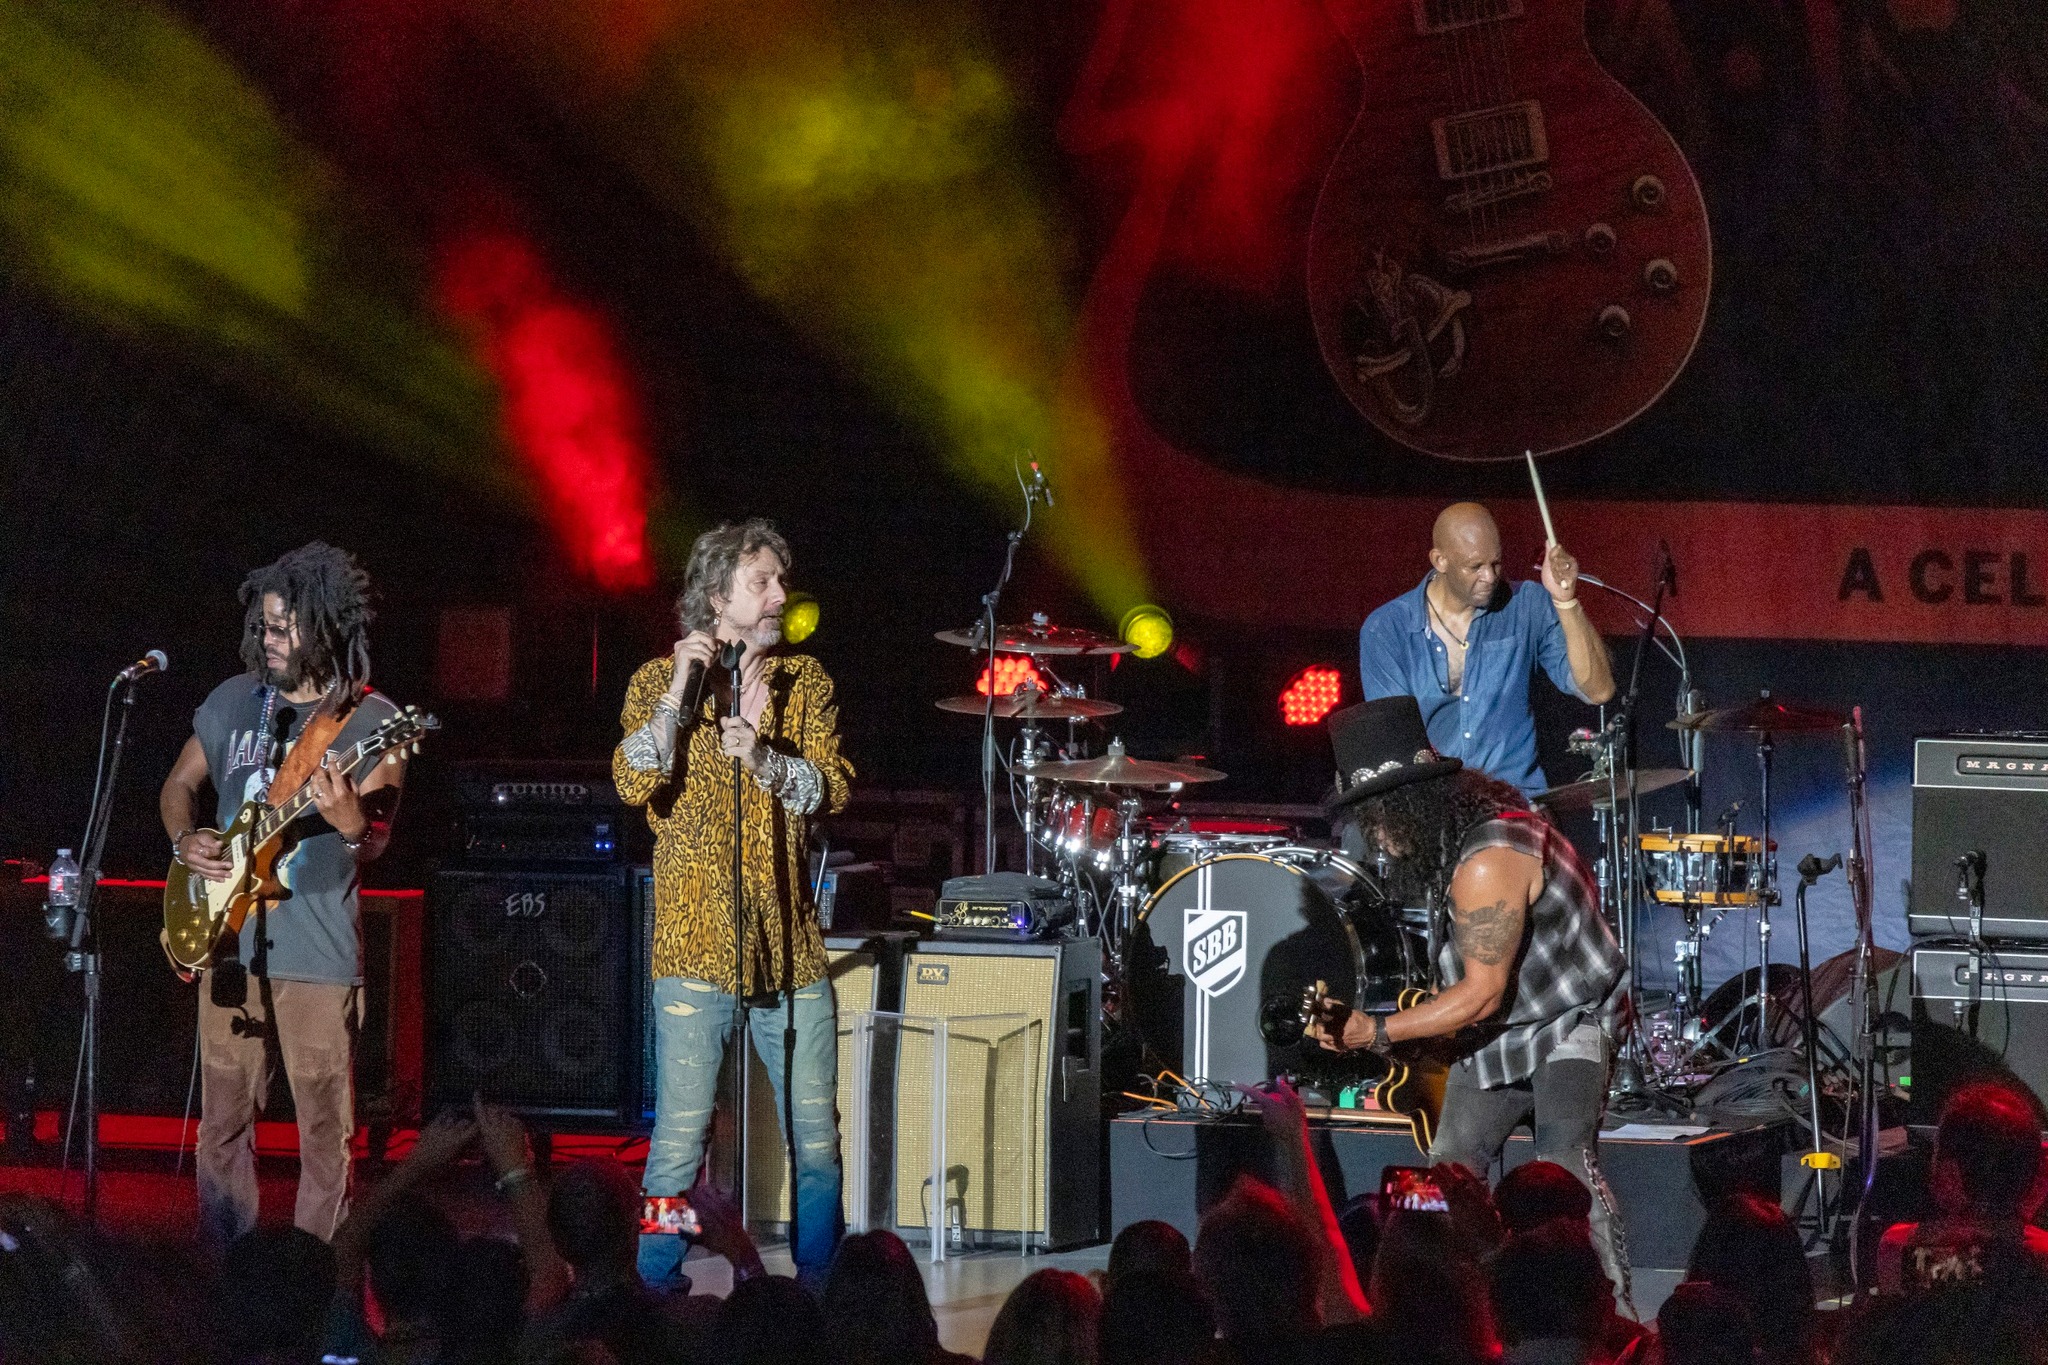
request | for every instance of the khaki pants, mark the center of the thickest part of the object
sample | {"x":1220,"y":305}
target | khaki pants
{"x":315,"y":1037}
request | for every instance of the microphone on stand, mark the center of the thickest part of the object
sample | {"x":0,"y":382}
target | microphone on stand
{"x":156,"y":661}
{"x":729,"y":655}
{"x":1039,"y":486}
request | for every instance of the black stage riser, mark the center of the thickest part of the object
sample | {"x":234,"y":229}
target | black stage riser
{"x":1174,"y":1168}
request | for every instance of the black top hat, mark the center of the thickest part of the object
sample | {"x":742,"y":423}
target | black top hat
{"x":1382,"y":745}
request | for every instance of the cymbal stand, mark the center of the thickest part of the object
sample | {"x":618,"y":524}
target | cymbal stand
{"x":1027,"y":760}
{"x":1766,"y":750}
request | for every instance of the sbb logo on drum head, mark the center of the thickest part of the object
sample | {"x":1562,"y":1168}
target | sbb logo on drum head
{"x":1213,"y":957}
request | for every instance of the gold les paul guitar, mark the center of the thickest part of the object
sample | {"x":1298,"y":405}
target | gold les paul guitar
{"x":198,"y":911}
{"x":1413,"y":1086}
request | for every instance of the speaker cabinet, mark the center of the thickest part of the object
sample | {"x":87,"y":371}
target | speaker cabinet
{"x":1022,"y":1095}
{"x":530,"y":992}
{"x":1988,"y":795}
{"x":1976,"y":1017}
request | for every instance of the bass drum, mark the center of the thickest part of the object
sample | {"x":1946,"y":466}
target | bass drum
{"x":1219,"y":940}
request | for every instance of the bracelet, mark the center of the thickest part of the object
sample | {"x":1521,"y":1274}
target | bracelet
{"x":354,"y":845}
{"x":1379,"y":1044}
{"x":1566,"y":605}
{"x":179,"y":838}
{"x":514,"y":1178}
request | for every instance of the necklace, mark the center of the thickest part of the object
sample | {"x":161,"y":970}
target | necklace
{"x":1456,"y":639}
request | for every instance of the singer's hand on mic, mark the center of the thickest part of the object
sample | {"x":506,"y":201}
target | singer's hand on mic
{"x":698,"y":647}
{"x":1560,"y":575}
{"x":738,"y":740}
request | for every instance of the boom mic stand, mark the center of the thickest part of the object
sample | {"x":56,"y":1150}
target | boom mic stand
{"x":729,"y":659}
{"x":1629,"y":1079}
{"x":989,"y":602}
{"x":84,"y":948}
{"x":1863,"y":986}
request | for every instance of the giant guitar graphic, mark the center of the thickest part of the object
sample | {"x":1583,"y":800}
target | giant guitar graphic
{"x":1509,"y":251}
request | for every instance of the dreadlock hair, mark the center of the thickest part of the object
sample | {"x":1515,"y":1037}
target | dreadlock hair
{"x":327,"y":593}
{"x":1430,"y":819}
{"x":714,"y":558}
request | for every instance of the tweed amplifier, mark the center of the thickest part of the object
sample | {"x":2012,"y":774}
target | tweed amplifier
{"x":1986,"y":796}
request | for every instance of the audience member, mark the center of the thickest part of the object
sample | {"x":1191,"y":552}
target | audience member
{"x":1535,"y":1192}
{"x":1262,"y":1268}
{"x":593,"y":1217}
{"x":283,"y":1282}
{"x":770,"y":1320}
{"x":1427,"y":1293}
{"x":1749,"y":1247}
{"x":1704,"y":1324}
{"x":1987,"y":1182}
{"x":1149,"y":1245}
{"x":876,"y":1307}
{"x":1360,"y":1225}
{"x":1156,"y":1317}
{"x":489,"y":1304}
{"x":1049,"y":1319}
{"x":1550,"y":1296}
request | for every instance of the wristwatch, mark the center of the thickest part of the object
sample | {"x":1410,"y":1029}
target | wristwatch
{"x":1379,"y":1043}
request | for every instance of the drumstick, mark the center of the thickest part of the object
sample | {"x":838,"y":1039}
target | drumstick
{"x":1542,"y":505}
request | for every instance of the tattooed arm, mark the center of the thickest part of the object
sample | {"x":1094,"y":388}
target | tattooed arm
{"x":1490,"y":897}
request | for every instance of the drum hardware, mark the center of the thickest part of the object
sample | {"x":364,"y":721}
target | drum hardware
{"x":1030,"y":704}
{"x":1115,"y":769}
{"x":1041,"y":636}
{"x":1597,"y":791}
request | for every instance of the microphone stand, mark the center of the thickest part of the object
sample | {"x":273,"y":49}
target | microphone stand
{"x":989,"y":602}
{"x":729,"y":658}
{"x":1629,"y":1079}
{"x":1864,"y":985}
{"x":84,"y":954}
{"x":1817,"y":1159}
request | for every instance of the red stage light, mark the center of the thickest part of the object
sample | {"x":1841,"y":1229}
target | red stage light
{"x":567,"y":406}
{"x":1313,"y":694}
{"x":1012,"y":672}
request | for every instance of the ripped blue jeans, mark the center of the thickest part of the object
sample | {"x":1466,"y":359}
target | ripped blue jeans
{"x":692,"y":1024}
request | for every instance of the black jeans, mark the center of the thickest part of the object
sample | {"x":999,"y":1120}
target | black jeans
{"x":1563,"y":1103}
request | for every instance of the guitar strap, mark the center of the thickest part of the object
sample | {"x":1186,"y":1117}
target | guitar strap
{"x":311,"y":747}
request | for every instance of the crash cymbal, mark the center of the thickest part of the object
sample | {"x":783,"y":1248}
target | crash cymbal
{"x":1039,"y":637}
{"x":1592,"y":793}
{"x":1028,"y":703}
{"x":1764,"y":716}
{"x":1114,"y":769}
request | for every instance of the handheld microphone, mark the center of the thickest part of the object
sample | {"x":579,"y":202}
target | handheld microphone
{"x":729,"y":655}
{"x":1038,"y":484}
{"x":156,"y":661}
{"x":693,"y":689}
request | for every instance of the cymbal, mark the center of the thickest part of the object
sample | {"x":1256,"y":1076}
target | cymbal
{"x":1763,"y":716}
{"x":1114,"y":769}
{"x":1039,"y":637}
{"x":1028,"y":703}
{"x":1592,"y":793}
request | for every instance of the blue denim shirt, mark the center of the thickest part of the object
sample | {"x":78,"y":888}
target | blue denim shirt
{"x":1488,"y":722}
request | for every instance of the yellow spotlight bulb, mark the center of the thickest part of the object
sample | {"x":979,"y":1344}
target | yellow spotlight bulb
{"x":799,"y":617}
{"x":1148,"y":629}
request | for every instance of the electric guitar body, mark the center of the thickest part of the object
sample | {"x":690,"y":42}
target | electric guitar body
{"x":1414,"y":1084}
{"x":197,"y":912}
{"x":1509,"y":252}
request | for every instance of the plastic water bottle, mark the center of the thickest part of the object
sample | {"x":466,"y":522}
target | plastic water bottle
{"x":62,"y":901}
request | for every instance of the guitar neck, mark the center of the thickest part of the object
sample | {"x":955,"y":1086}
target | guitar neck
{"x":299,"y":802}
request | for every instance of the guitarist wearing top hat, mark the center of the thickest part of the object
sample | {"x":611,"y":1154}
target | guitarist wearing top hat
{"x":289,"y":987}
{"x":1530,"y":978}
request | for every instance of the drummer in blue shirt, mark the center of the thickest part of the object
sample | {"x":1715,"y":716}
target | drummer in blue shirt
{"x":1465,"y":642}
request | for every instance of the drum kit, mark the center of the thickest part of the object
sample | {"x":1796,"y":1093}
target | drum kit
{"x":1101,"y":826}
{"x":1705,"y":874}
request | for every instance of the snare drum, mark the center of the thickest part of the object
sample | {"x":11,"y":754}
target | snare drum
{"x":1703,"y":869}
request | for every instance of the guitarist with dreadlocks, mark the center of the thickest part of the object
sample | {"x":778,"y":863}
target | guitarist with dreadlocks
{"x":289,"y":987}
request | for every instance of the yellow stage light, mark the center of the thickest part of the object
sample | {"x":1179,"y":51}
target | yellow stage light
{"x":799,"y":617}
{"x":1149,"y":629}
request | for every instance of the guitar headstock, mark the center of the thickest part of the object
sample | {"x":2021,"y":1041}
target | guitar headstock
{"x":402,"y":728}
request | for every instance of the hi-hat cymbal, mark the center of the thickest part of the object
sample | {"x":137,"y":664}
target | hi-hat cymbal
{"x":1114,"y":769}
{"x":1593,"y":793}
{"x":1028,"y":703}
{"x":1764,"y":716}
{"x":1039,"y":637}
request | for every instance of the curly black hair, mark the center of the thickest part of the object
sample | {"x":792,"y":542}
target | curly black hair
{"x":327,"y":593}
{"x":1430,"y":820}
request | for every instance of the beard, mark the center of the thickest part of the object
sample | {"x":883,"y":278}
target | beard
{"x":289,"y":678}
